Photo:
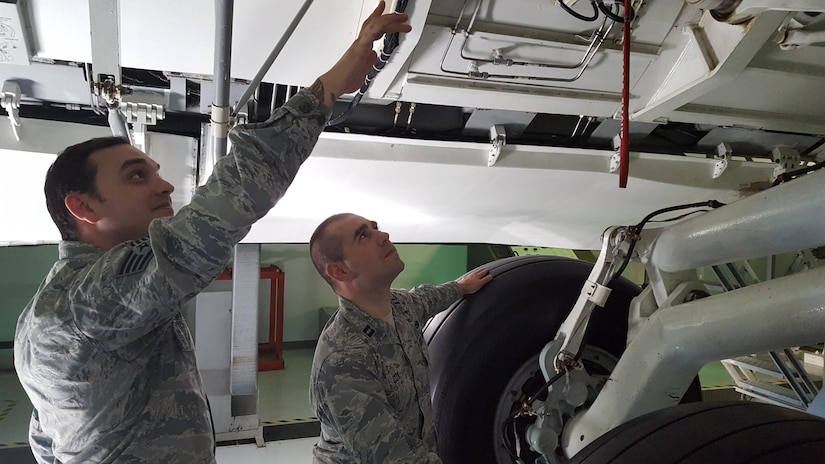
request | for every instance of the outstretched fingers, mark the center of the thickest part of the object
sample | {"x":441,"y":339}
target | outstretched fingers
{"x":378,"y":24}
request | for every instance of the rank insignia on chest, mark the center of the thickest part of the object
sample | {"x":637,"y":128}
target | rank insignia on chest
{"x":369,"y":331}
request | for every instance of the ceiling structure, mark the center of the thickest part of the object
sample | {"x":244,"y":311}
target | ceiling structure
{"x":494,"y":120}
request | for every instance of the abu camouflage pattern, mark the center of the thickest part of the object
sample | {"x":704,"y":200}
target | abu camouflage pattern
{"x":369,"y":385}
{"x":102,"y":350}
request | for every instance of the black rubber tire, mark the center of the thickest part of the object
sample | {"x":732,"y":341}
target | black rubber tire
{"x":723,"y":432}
{"x":476,"y":346}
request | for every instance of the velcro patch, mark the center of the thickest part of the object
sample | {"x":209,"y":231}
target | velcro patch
{"x":137,"y":258}
{"x":369,"y":331}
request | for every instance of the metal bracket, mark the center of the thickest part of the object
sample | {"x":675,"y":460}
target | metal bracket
{"x":141,"y":115}
{"x":616,"y":159}
{"x":475,"y":73}
{"x":594,"y":293}
{"x":10,"y":100}
{"x":786,"y":158}
{"x":723,"y":154}
{"x":498,"y":138}
{"x":240,"y":118}
{"x":109,"y":91}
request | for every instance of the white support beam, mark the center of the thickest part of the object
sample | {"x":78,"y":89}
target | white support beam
{"x":104,"y":22}
{"x":676,"y":342}
{"x":246,"y":274}
{"x":733,"y":48}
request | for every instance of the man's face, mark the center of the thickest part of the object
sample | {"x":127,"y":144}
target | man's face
{"x":131,"y":192}
{"x":368,"y":252}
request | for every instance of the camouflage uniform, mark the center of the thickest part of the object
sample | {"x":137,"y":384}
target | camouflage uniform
{"x":102,"y":350}
{"x":369,"y":384}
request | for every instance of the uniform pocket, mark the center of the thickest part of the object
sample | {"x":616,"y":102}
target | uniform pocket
{"x":399,"y":384}
{"x":183,"y":337}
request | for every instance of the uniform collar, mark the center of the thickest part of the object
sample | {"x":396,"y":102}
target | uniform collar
{"x":362,"y":322}
{"x":70,"y":249}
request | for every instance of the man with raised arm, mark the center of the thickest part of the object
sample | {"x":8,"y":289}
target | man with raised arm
{"x":102,"y":350}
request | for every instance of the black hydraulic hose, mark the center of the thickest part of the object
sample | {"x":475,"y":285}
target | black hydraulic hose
{"x":638,"y":228}
{"x":786,"y":176}
{"x":391,"y":41}
{"x":709,"y":204}
{"x":579,"y":15}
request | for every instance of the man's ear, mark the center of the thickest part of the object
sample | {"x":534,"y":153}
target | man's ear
{"x":80,"y":209}
{"x":338,"y":272}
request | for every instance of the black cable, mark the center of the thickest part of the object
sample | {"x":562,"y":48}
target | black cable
{"x":391,"y":41}
{"x":579,"y":15}
{"x":610,"y":14}
{"x":786,"y":176}
{"x":709,"y":204}
{"x":635,"y":230}
{"x":532,"y":397}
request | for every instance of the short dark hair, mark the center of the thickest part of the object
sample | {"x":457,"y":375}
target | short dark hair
{"x":72,"y":172}
{"x":325,"y":248}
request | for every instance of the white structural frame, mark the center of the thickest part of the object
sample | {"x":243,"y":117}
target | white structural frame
{"x":671,"y":339}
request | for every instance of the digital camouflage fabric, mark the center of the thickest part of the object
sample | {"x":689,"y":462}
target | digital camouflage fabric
{"x":369,"y":383}
{"x":102,"y":350}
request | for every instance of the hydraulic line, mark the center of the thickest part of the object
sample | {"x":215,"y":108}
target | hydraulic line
{"x":390,"y":43}
{"x":599,"y":37}
{"x":596,"y":40}
{"x":579,"y":15}
{"x":635,"y":230}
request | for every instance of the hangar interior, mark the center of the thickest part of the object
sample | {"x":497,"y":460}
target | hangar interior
{"x":493,"y":129}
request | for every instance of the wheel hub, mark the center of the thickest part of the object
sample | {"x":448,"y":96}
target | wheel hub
{"x":532,"y":432}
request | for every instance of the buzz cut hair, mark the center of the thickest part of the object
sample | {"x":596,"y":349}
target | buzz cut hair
{"x":325,"y":248}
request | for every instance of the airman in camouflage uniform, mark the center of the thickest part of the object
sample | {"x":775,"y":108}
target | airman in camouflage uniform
{"x":102,"y":349}
{"x":369,"y":382}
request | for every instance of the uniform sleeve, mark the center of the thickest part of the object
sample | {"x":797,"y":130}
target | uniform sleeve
{"x":429,"y":300}
{"x":140,"y":285}
{"x":350,"y":397}
{"x":40,"y":443}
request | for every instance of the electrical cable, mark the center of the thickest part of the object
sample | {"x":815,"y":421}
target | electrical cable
{"x":391,"y":41}
{"x":786,"y":176}
{"x":579,"y":15}
{"x":531,"y":398}
{"x":635,"y":230}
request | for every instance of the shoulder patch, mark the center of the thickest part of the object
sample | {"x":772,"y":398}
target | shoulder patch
{"x":137,"y":258}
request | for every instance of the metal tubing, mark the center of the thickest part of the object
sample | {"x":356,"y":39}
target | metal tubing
{"x":221,"y":75}
{"x":271,"y":58}
{"x":793,"y":383}
{"x":782,"y":219}
{"x":117,"y":122}
{"x":677,"y":341}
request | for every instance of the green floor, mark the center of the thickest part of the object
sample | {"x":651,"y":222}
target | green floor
{"x":714,"y":376}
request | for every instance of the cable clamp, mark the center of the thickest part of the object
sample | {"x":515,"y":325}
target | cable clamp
{"x":596,"y":292}
{"x":10,"y":101}
{"x":498,"y":138}
{"x":724,"y":153}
